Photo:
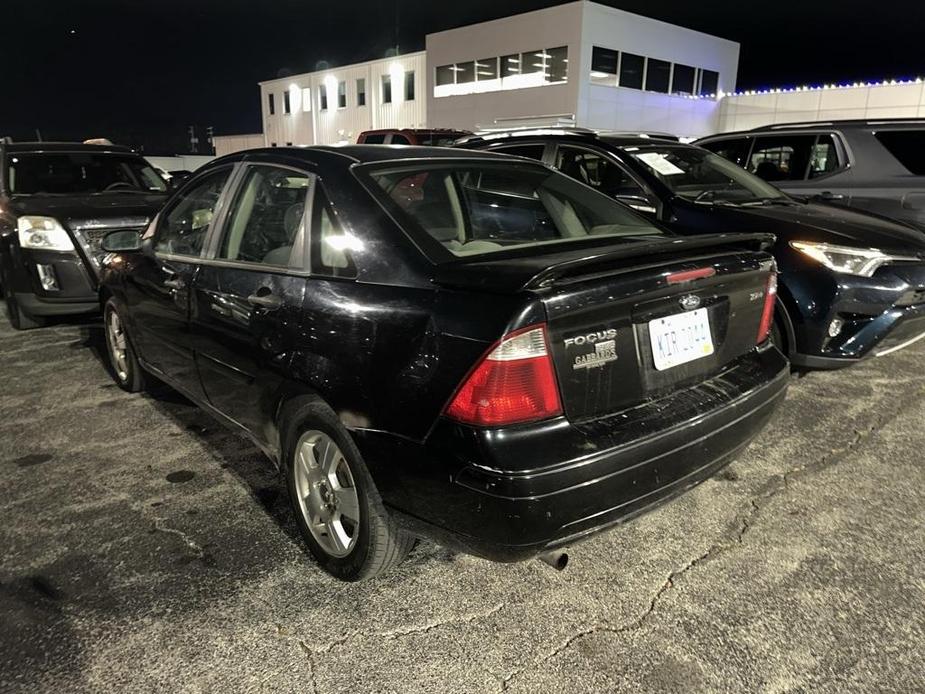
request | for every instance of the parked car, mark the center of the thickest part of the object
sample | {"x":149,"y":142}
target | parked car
{"x":57,"y":200}
{"x":456,"y":345}
{"x":852,"y":284}
{"x":875,"y":165}
{"x":433,"y":137}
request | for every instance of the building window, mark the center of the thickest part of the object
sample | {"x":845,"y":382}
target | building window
{"x":604,"y":64}
{"x":323,"y":97}
{"x":387,"y":89}
{"x":557,"y":64}
{"x":287,"y":103}
{"x":445,"y":75}
{"x":682,"y":80}
{"x":289,"y":144}
{"x":532,"y":62}
{"x":465,"y":72}
{"x":631,"y":70}
{"x":409,"y":85}
{"x":486,"y":69}
{"x":361,"y":92}
{"x":341,"y":95}
{"x":272,"y":103}
{"x":658,"y":75}
{"x":709,"y":83}
{"x":510,"y":65}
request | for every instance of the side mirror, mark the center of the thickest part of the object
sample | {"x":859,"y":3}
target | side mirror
{"x":121,"y":241}
{"x":637,"y":202}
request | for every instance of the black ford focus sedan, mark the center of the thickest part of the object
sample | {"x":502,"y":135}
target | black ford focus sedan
{"x":852,"y":284}
{"x":455,"y":345}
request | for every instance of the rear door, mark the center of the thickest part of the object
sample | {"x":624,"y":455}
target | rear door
{"x":248,"y":294}
{"x":803,"y":164}
{"x":158,"y":289}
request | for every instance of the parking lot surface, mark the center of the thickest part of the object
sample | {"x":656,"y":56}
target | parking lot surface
{"x":145,"y":548}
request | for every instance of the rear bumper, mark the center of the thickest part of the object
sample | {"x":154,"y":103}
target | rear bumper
{"x":509,"y":495}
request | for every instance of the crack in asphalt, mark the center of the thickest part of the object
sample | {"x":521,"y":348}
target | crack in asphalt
{"x":773,"y":487}
{"x":160,"y":525}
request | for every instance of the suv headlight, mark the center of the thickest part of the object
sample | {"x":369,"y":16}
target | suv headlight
{"x":863,"y":262}
{"x":43,"y":233}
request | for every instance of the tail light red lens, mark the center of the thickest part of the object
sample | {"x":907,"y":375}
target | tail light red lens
{"x":514,"y":383}
{"x":767,"y":315}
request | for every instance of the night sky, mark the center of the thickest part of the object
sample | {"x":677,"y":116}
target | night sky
{"x":85,"y":68}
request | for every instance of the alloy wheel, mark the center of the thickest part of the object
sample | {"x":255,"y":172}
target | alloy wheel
{"x":327,"y":493}
{"x":115,"y":335}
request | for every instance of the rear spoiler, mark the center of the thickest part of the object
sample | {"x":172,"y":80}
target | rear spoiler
{"x":512,"y":273}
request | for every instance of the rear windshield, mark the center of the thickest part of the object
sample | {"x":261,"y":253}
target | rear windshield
{"x":76,"y":173}
{"x":908,"y":146}
{"x":701,"y":176}
{"x":474,"y":209}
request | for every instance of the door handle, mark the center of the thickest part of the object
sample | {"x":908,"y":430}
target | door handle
{"x":829,"y":195}
{"x":174,"y":283}
{"x":268,"y":301}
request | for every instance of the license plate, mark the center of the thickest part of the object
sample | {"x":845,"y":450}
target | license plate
{"x":680,"y":338}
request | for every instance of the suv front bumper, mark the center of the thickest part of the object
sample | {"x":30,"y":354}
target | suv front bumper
{"x":75,"y":287}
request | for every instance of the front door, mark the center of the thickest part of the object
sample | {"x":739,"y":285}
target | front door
{"x":248,"y":296}
{"x":158,"y":290}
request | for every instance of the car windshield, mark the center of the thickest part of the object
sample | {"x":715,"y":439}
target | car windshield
{"x":475,"y":208}
{"x":80,"y":173}
{"x":698,"y":175}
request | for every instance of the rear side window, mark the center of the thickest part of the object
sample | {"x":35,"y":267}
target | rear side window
{"x":782,"y":157}
{"x":266,"y":217}
{"x":735,"y":149}
{"x":908,"y":146}
{"x":376,"y":139}
{"x":480,"y":208}
{"x":824,"y":159}
{"x":400,"y":140}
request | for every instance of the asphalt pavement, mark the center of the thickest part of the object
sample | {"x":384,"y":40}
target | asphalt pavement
{"x":147,"y":549}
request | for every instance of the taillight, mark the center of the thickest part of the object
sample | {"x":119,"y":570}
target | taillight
{"x":513,"y":383}
{"x":767,"y":315}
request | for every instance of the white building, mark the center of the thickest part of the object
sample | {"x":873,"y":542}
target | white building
{"x":580,"y":64}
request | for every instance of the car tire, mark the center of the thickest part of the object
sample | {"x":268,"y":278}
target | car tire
{"x":20,"y":319}
{"x":328,"y":484}
{"x":123,"y":362}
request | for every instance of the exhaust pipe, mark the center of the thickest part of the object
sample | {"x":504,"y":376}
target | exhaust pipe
{"x":556,"y":559}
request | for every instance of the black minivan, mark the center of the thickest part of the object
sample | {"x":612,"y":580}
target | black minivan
{"x":57,"y":201}
{"x":457,"y":345}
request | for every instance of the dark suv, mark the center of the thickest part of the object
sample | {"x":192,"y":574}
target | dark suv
{"x":852,"y":283}
{"x":57,"y":201}
{"x":875,"y":165}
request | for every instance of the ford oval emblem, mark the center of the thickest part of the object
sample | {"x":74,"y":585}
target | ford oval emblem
{"x":689,"y":302}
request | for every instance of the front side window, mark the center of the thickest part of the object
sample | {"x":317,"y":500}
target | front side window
{"x":782,"y":157}
{"x":734,"y":149}
{"x":824,"y":159}
{"x":599,"y":172}
{"x":907,"y":146}
{"x":80,"y":173}
{"x":703,"y":177}
{"x":182,"y":230}
{"x":265,"y":217}
{"x":474,"y":209}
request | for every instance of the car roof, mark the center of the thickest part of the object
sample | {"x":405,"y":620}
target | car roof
{"x":362,"y":154}
{"x":62,"y":147}
{"x":613,"y":137}
{"x":417,"y":131}
{"x":852,"y":124}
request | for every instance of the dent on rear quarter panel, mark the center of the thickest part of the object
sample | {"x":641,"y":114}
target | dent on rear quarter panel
{"x":388,"y":358}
